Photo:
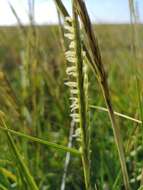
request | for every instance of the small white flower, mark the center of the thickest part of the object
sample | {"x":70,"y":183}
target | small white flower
{"x":74,"y":91}
{"x":70,"y":54}
{"x":69,"y":28}
{"x":71,"y":84}
{"x":71,"y":71}
{"x":72,"y":60}
{"x":69,"y":36}
{"x":72,"y":45}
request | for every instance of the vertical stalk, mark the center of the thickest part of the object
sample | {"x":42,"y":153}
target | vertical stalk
{"x":68,"y":156}
{"x":31,"y":5}
{"x":93,"y":43}
{"x":61,"y":31}
{"x":82,"y":103}
{"x":72,"y":124}
{"x":97,"y":66}
{"x":20,"y":25}
{"x":135,"y":51}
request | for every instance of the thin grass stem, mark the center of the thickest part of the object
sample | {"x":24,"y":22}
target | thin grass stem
{"x":102,"y":78}
{"x":82,"y":103}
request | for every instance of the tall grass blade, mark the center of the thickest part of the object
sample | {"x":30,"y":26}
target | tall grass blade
{"x":117,"y":114}
{"x":82,"y":11}
{"x":17,"y":18}
{"x":134,"y":54}
{"x":82,"y":101}
{"x":18,"y":158}
{"x":44,"y":142}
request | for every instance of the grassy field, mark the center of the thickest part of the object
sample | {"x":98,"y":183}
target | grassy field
{"x":35,"y":104}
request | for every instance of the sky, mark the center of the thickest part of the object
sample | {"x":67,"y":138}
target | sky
{"x":101,"y":11}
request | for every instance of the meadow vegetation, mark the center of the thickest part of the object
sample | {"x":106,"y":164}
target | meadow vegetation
{"x":85,"y":136}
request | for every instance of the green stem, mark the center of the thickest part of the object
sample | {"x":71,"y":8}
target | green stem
{"x":82,"y":103}
{"x":99,"y":69}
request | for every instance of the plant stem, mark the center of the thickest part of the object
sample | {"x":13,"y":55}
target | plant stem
{"x":82,"y":11}
{"x":68,"y":156}
{"x":82,"y":103}
{"x":117,"y":114}
{"x":134,"y":65}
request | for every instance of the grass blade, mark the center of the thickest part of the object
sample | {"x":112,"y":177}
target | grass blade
{"x":19,"y":159}
{"x":82,"y":101}
{"x":44,"y":142}
{"x":117,"y":114}
{"x":82,"y":11}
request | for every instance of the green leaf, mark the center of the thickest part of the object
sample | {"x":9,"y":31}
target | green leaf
{"x":18,"y":158}
{"x":41,"y":141}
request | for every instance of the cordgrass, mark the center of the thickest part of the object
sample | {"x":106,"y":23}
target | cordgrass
{"x":82,"y":101}
{"x":36,"y":104}
{"x":104,"y":85}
